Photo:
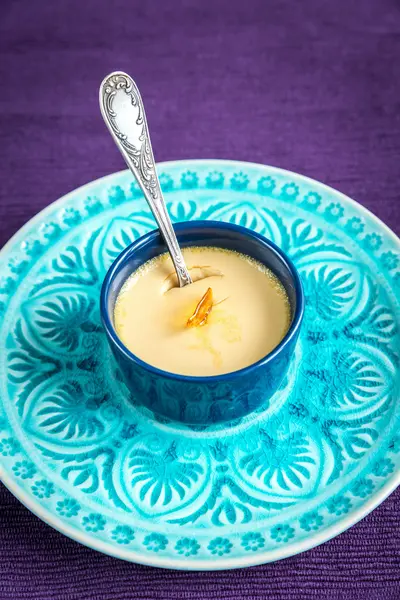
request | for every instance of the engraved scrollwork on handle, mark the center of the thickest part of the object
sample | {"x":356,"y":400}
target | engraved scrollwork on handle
{"x":123,"y":112}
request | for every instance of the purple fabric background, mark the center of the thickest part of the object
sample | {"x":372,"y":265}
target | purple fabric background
{"x":311,"y":86}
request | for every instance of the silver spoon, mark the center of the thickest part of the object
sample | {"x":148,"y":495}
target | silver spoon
{"x":122,"y":108}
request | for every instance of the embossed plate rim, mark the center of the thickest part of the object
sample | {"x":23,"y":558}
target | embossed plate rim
{"x":228,"y":563}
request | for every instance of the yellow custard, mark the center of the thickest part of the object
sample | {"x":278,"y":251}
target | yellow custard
{"x":249,"y":317}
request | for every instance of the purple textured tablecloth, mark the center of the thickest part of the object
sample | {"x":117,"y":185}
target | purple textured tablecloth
{"x":311,"y":86}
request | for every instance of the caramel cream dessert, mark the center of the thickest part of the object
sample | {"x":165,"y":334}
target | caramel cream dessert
{"x":234,"y":313}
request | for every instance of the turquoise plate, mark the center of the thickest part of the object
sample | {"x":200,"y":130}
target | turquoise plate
{"x":317,"y":458}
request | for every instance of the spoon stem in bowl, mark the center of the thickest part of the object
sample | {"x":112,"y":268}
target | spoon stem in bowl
{"x":123,"y":112}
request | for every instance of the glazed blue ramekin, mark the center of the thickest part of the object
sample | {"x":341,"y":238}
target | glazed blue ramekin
{"x":203,"y":400}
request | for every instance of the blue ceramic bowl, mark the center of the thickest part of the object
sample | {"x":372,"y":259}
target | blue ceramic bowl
{"x":204,"y":400}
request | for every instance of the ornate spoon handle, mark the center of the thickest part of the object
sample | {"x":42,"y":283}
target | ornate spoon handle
{"x":123,"y":111}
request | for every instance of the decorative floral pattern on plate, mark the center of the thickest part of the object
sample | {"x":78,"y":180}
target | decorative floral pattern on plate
{"x":76,"y":448}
